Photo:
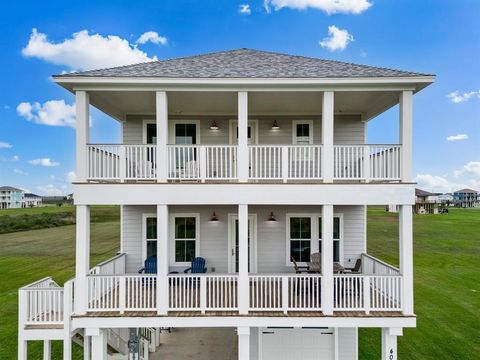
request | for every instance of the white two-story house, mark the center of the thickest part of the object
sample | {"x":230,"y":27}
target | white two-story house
{"x":257,"y":163}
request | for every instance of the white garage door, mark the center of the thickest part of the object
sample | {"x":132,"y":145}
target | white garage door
{"x":293,"y":344}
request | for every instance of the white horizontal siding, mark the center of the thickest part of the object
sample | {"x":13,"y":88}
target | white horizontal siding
{"x":348,"y":129}
{"x":347,"y":343}
{"x":271,"y":237}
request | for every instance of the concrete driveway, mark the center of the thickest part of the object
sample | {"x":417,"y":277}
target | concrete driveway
{"x":197,"y":343}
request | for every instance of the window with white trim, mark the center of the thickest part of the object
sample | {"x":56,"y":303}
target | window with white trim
{"x":302,"y":132}
{"x":300,"y":235}
{"x":185,"y":238}
{"x":336,"y":237}
{"x":151,"y":236}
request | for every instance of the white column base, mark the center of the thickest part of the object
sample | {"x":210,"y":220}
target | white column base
{"x":243,"y":343}
{"x":47,"y":349}
{"x":389,"y":343}
{"x":99,"y":346}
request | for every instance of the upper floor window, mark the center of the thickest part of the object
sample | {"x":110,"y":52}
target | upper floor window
{"x":336,"y":237}
{"x":151,"y":236}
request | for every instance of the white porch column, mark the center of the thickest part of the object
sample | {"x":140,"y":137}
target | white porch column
{"x":243,"y":343}
{"x":242,"y":152}
{"x":82,"y":133}
{"x":389,"y":343}
{"x":67,"y":348}
{"x":82,"y":261}
{"x":162,"y":135}
{"x":327,"y":136}
{"x":406,"y":256}
{"x":243,"y":287}
{"x":22,"y":349}
{"x":162,"y":259}
{"x":99,"y":345}
{"x":86,"y":348}
{"x":406,"y":130}
{"x":327,"y":259}
{"x":47,"y":349}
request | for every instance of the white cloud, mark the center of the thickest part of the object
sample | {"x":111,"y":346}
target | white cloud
{"x":20,"y":172}
{"x":327,"y":6}
{"x":338,"y":39}
{"x":71,"y":176}
{"x":458,"y":97}
{"x":436,"y":183}
{"x":472,"y":167}
{"x":53,"y":190}
{"x":457,"y":137}
{"x":46,"y":162}
{"x":84,"y":51}
{"x":5,"y":145}
{"x":52,"y":113}
{"x":244,"y":9}
{"x":153,"y":37}
{"x":15,"y":158}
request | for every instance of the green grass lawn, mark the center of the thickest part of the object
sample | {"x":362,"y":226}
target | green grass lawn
{"x":447,"y":286}
{"x":27,"y":256}
{"x":447,"y":289}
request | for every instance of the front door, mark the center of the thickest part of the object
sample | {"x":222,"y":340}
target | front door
{"x":233,"y":244}
{"x":252,"y":131}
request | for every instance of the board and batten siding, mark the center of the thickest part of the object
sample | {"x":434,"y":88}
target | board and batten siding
{"x":348,"y":129}
{"x":271,"y":248}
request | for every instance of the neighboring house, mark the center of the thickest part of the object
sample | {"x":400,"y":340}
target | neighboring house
{"x":446,"y":199}
{"x":466,"y":198}
{"x":31,"y":200}
{"x":10,"y":197}
{"x":426,"y":202}
{"x":258,"y":163}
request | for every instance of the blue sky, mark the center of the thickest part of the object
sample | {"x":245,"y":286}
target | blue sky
{"x":433,"y":36}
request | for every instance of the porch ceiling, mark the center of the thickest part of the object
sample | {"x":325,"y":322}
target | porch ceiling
{"x":118,"y":104}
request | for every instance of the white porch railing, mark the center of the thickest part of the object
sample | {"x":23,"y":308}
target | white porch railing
{"x":41,"y":302}
{"x":285,"y":292}
{"x":266,"y":162}
{"x":367,"y":162}
{"x":373,"y":266}
{"x":113,"y":266}
{"x":121,"y":162}
{"x":367,"y":292}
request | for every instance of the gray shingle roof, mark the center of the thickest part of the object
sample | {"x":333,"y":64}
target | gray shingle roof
{"x":245,"y":63}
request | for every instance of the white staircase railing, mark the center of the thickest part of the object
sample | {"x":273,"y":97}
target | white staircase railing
{"x":41,"y":302}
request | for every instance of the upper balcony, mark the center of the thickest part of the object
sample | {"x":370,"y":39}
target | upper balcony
{"x":270,"y":163}
{"x":244,"y":137}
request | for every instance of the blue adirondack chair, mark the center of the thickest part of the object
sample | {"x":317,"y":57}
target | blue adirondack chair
{"x":198,"y":266}
{"x":149,"y":266}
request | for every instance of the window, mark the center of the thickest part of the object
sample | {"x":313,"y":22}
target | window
{"x":185,"y":134}
{"x":336,"y":237}
{"x":303,"y":132}
{"x":300,"y":237}
{"x":185,"y":233}
{"x":151,"y":130}
{"x":151,"y":236}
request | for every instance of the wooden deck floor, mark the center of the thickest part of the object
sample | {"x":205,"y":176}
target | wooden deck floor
{"x":250,"y":314}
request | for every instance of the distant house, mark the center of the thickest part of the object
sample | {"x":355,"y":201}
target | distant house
{"x":445,"y":199}
{"x":31,"y":200}
{"x":10,"y":197}
{"x":466,"y":198}
{"x":54,"y":199}
{"x":426,"y":202}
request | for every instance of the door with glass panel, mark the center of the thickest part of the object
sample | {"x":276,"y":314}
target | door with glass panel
{"x":185,"y":136}
{"x":234,"y":244}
